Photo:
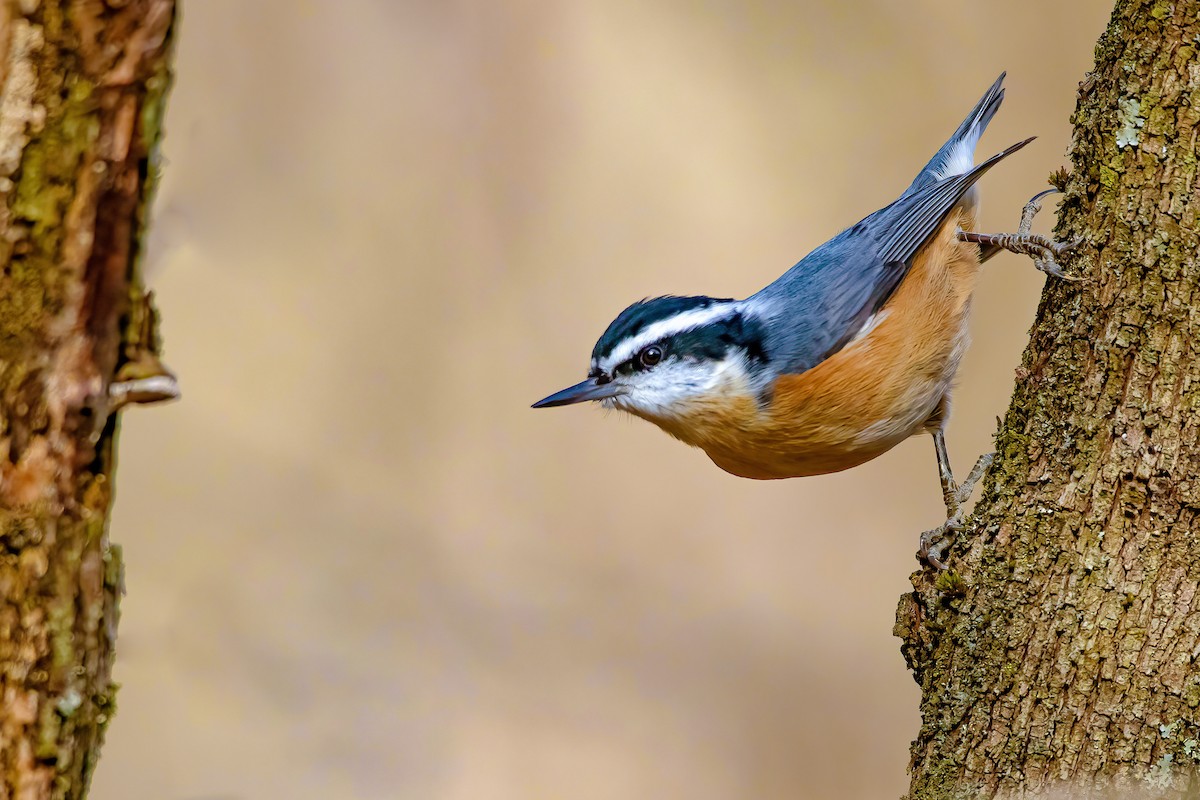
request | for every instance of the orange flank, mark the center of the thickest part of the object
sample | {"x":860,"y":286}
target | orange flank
{"x":885,"y":386}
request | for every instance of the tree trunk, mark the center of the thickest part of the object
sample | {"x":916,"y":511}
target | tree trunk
{"x":81,"y":96}
{"x":1059,"y":653}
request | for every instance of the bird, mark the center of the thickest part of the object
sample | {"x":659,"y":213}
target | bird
{"x":851,"y":351}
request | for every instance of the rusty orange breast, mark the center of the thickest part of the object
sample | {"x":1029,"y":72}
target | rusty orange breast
{"x":863,"y":400}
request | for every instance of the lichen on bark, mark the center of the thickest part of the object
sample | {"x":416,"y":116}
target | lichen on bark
{"x":80,"y":102}
{"x":1066,"y":658}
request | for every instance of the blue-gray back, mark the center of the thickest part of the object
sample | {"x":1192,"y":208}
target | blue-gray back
{"x":821,"y":303}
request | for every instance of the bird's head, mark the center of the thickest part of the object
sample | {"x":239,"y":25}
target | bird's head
{"x":659,"y":356}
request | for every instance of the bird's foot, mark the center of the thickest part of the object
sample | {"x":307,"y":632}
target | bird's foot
{"x":934,"y":542}
{"x":1044,"y":251}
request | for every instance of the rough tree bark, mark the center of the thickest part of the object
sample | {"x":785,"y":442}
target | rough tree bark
{"x":1060,"y":653}
{"x":82,"y":85}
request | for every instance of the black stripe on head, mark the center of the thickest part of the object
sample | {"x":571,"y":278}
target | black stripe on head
{"x":712,"y":342}
{"x":634,"y":319}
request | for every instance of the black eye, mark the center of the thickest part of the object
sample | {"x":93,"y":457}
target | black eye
{"x":650,"y":355}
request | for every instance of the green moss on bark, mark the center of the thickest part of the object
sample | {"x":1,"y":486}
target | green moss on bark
{"x":1075,"y":635}
{"x":69,"y":227}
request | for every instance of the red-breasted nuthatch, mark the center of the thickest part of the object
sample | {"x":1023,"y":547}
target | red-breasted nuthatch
{"x":844,"y":356}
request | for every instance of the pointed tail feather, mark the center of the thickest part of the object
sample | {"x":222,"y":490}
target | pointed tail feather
{"x":957,"y":155}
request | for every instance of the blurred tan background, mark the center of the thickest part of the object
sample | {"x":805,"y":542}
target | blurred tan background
{"x":359,"y":566}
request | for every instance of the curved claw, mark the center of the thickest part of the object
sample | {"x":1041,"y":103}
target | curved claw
{"x":1060,"y":248}
{"x":1044,"y":193}
{"x":931,"y":551}
{"x":1051,"y":267}
{"x":1063,"y":247}
{"x":1030,"y":210}
{"x":933,"y":542}
{"x":1049,"y":264}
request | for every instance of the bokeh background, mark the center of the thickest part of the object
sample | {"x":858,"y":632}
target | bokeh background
{"x":359,"y":566}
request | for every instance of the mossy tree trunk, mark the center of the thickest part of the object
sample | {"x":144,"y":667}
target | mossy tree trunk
{"x":1061,"y":653}
{"x":82,"y":84}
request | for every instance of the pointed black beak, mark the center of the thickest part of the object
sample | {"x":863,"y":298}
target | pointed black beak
{"x":586,"y":390}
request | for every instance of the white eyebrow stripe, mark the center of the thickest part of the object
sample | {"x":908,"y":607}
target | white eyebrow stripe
{"x":680,"y":323}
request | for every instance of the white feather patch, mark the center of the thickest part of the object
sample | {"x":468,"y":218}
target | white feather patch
{"x":666,"y":391}
{"x":685,"y":321}
{"x":870,"y":325}
{"x":961,"y":158}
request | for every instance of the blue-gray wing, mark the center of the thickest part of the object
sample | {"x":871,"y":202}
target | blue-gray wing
{"x":906,"y":224}
{"x":821,"y":303}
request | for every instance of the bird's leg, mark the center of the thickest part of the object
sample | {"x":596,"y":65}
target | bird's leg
{"x":934,"y":542}
{"x":1044,"y":251}
{"x":944,"y":472}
